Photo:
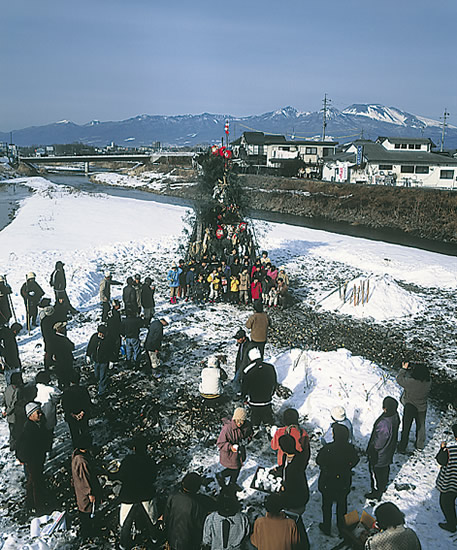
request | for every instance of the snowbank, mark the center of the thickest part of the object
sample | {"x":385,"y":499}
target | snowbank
{"x":379,"y":297}
{"x":154,"y":181}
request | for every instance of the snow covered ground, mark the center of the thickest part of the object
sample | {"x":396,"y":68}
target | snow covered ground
{"x":152,"y":181}
{"x":93,"y":232}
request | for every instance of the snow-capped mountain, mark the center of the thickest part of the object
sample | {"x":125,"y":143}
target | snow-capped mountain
{"x":372,"y":120}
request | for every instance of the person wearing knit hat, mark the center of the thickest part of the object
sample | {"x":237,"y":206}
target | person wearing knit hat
{"x":338,"y":415}
{"x":234,"y":434}
{"x":212,"y":376}
{"x":381,"y":447}
{"x":31,"y":451}
{"x":31,"y":293}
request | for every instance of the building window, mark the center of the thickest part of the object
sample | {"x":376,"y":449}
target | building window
{"x":446,"y":174}
{"x":397,"y":146}
{"x":418,"y":146}
{"x":411,"y":146}
{"x":311,"y":150}
{"x":404,"y":145}
{"x":422,"y":169}
{"x":385,"y":167}
{"x":284,"y":148}
{"x":407,"y":169}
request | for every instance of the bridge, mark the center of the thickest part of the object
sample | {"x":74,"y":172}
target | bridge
{"x":87,"y":159}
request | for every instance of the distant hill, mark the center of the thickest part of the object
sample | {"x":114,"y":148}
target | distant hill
{"x":343,"y":126}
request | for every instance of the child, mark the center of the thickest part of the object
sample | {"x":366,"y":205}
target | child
{"x":214,"y":286}
{"x":234,"y":289}
{"x":245,"y":285}
{"x":200,"y":290}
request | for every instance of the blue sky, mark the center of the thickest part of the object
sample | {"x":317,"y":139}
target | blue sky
{"x":113,"y":59}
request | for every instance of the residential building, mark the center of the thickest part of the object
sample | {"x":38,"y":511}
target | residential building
{"x":384,"y":163}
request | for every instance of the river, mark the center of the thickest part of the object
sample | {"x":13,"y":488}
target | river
{"x":11,"y":194}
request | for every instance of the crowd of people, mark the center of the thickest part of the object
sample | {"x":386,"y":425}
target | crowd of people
{"x":231,"y":278}
{"x":190,"y":519}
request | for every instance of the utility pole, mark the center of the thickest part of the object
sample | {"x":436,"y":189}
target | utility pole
{"x":326,"y":103}
{"x":443,"y":118}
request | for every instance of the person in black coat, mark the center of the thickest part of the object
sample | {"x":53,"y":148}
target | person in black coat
{"x":129,"y":297}
{"x":5,"y":307}
{"x":99,"y":353}
{"x":31,"y":293}
{"x":113,"y":334}
{"x":153,"y":341}
{"x":185,"y":514}
{"x":130,"y":328}
{"x":259,"y":384}
{"x":9,"y":350}
{"x":58,"y":281}
{"x":137,"y":473}
{"x":147,"y":299}
{"x":241,"y":357}
{"x":62,"y":350}
{"x":77,"y":408}
{"x":294,"y":490}
{"x":31,"y":451}
{"x":381,"y":447}
{"x":48,"y":320}
{"x":336,"y":461}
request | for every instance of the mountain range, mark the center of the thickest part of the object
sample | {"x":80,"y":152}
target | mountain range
{"x":369,"y":120}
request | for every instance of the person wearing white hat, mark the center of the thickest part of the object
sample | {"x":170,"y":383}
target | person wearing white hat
{"x":338,"y":415}
{"x":31,"y":451}
{"x":31,"y":293}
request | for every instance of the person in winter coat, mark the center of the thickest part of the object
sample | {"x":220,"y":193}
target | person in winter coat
{"x":256,"y":289}
{"x":446,"y":482}
{"x":58,"y":282}
{"x":191,"y":279}
{"x":234,"y":435}
{"x":294,"y":488}
{"x":62,"y":349}
{"x":200,"y":290}
{"x":9,"y":351}
{"x":48,"y":397}
{"x":185,"y":514}
{"x":212,"y":376}
{"x":147,"y":299}
{"x":130,"y":299}
{"x":234,"y":289}
{"x":214,"y":281}
{"x":173,"y":281}
{"x":5,"y":307}
{"x":137,"y":473}
{"x":259,"y":385}
{"x":228,"y":527}
{"x":241,"y":359}
{"x":130,"y":329}
{"x":77,"y":407}
{"x":153,"y":341}
{"x":48,"y":320}
{"x":10,"y":399}
{"x":99,"y":353}
{"x":113,"y":333}
{"x":415,"y":379}
{"x":182,"y":279}
{"x":275,"y":531}
{"x":86,"y":486}
{"x":245,"y":286}
{"x":381,"y":447}
{"x":138,"y":285}
{"x":394,"y":535}
{"x":31,"y":451}
{"x":31,"y":293}
{"x":258,"y":324}
{"x":338,"y":415}
{"x":291,"y":427}
{"x":336,"y":461}
{"x":105,"y":293}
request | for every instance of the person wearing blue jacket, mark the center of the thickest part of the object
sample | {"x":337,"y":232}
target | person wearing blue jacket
{"x":173,"y":281}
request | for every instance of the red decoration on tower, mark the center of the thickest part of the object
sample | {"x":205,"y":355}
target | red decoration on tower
{"x":227,"y":127}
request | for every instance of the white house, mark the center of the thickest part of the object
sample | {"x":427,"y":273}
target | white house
{"x":383,"y":163}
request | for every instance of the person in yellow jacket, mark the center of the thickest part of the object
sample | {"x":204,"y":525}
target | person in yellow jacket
{"x":234,"y":289}
{"x":214,"y":281}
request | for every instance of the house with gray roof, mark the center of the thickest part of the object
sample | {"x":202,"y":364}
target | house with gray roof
{"x":388,"y":162}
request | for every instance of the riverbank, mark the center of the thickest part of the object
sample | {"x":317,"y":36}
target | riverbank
{"x":416,"y":213}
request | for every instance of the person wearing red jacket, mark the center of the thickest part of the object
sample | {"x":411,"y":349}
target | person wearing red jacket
{"x":291,"y":427}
